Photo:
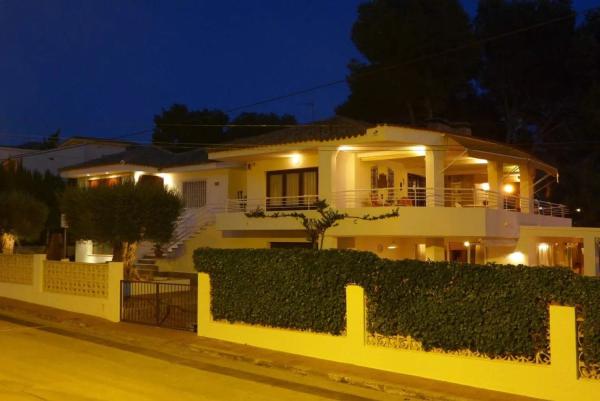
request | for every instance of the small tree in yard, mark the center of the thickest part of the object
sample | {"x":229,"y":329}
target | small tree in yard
{"x":122,"y":215}
{"x":327,"y":217}
{"x":21,"y":217}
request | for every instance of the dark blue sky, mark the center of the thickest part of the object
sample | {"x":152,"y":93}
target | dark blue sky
{"x":104,"y":68}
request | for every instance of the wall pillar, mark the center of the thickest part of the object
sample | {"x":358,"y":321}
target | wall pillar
{"x":563,"y":342}
{"x":38,"y":272}
{"x":327,"y":175}
{"x":435,"y":249}
{"x":204,"y":313}
{"x":590,"y":256}
{"x":495,"y":174}
{"x":355,"y":316}
{"x":115,"y":275}
{"x":434,"y":176}
{"x":527,"y":176}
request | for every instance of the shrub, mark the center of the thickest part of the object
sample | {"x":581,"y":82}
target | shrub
{"x":492,"y":309}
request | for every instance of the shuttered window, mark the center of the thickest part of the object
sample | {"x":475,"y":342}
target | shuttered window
{"x":194,"y":194}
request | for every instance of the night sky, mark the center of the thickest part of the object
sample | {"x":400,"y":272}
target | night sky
{"x":104,"y":68}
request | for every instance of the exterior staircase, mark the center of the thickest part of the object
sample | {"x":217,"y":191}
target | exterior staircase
{"x":190,"y":222}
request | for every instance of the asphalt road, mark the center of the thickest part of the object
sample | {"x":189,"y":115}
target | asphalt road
{"x":37,"y":364}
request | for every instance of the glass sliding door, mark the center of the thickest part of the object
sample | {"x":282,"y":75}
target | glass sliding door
{"x":292,"y":189}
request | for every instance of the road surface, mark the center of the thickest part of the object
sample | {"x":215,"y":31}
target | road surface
{"x":39,"y":364}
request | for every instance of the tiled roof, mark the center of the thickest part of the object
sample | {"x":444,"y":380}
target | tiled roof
{"x":334,"y":128}
{"x":149,"y":156}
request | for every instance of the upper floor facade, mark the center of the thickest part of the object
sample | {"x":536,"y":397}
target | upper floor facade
{"x":445,"y":183}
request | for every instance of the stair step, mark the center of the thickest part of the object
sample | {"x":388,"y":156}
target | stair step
{"x":152,"y":268}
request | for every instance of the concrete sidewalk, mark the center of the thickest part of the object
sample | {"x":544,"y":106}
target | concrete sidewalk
{"x":183,"y":347}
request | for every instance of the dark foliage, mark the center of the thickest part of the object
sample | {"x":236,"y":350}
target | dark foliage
{"x":496,"y":310}
{"x":43,"y":187}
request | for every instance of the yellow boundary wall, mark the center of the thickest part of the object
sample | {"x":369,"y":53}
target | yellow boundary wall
{"x":557,"y":381}
{"x":107,"y":307}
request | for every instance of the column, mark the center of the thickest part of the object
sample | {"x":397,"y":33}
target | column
{"x":495,"y":174}
{"x":434,"y":176}
{"x":434,"y":249}
{"x":327,"y":175}
{"x":527,"y":176}
{"x":590,"y":256}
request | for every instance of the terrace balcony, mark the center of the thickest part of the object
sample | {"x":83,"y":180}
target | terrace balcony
{"x":403,"y":198}
{"x":454,"y":212}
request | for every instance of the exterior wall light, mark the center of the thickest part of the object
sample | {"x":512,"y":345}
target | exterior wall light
{"x":578,"y":210}
{"x":137,"y":175}
{"x":485,"y":186}
{"x":296,"y":159}
{"x":467,"y":244}
{"x":392,"y":246}
{"x":345,"y":148}
{"x":508,"y":188}
{"x":516,"y":258}
{"x":543,"y":246}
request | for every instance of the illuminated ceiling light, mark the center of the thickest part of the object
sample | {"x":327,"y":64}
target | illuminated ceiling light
{"x":578,"y":210}
{"x":296,"y":159}
{"x":345,"y":148}
{"x":419,"y":150}
{"x":543,"y":246}
{"x":485,"y":186}
{"x":467,"y":244}
{"x":508,"y":188}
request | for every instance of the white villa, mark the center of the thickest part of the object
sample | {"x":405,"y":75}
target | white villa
{"x":460,"y":198}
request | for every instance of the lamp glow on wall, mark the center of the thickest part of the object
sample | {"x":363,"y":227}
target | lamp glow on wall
{"x":508,"y":188}
{"x":485,"y":186}
{"x":137,"y":175}
{"x":167,"y":179}
{"x":296,"y":159}
{"x":516,"y":258}
{"x":419,"y":150}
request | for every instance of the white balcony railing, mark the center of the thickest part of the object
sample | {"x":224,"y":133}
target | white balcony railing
{"x":406,"y":197}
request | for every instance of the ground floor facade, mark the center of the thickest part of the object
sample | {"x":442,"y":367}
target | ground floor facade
{"x":575,"y":248}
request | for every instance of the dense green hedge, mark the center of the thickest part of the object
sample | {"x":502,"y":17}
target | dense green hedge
{"x":492,"y":309}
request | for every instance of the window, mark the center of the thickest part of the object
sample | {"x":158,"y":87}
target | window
{"x":390,"y":184}
{"x":194,"y":194}
{"x":374,"y":176}
{"x":416,"y":189}
{"x":109,"y":182}
{"x":292,"y":189}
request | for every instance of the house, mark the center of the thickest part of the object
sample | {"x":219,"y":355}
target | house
{"x":460,"y":198}
{"x":73,"y":150}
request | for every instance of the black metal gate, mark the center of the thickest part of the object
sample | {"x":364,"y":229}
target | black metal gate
{"x":160,"y":304}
